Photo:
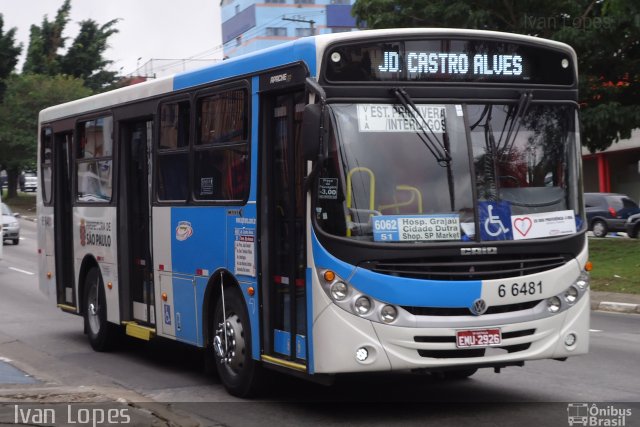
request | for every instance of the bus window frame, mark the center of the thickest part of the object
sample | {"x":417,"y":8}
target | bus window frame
{"x":244,"y":85}
{"x":114,"y":160}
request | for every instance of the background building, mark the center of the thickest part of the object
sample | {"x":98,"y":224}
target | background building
{"x":248,"y":26}
{"x":616,"y":169}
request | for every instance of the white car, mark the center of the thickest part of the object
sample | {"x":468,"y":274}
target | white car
{"x":10,"y":225}
{"x":30,"y":182}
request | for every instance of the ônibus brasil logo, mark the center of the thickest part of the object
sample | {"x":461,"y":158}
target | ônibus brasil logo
{"x":597,"y":416}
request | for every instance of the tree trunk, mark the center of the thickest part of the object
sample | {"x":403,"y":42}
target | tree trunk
{"x":13,"y":176}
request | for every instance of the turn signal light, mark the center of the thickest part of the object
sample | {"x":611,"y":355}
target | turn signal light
{"x":164,"y":296}
{"x":49,"y":275}
{"x":251,"y":291}
{"x":588,"y":266}
{"x":329,"y":276}
{"x":109,"y":285}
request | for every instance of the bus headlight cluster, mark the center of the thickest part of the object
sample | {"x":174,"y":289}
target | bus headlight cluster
{"x":570,"y":296}
{"x":350,"y":299}
{"x":339,"y":290}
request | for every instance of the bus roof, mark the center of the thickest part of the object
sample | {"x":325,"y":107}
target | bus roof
{"x":307,"y":49}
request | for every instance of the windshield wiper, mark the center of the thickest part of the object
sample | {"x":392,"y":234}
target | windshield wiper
{"x":523,"y":106}
{"x":437,"y":149}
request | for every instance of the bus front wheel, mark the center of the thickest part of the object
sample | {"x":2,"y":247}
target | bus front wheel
{"x":100,"y":332}
{"x":239,"y":373}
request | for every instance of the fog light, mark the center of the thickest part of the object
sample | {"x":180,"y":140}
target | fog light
{"x":339,"y":291}
{"x":553,"y":304}
{"x":570,"y":340}
{"x":571,"y":295}
{"x":388,"y":313}
{"x":363,"y":305}
{"x":362,"y":354}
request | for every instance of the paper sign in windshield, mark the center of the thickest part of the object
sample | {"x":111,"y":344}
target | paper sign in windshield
{"x":547,"y":224}
{"x":415,"y":228}
{"x":394,"y":118}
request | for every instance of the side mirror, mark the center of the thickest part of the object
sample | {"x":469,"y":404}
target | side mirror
{"x":311,"y":130}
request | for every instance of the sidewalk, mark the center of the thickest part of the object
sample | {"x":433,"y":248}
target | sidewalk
{"x":616,"y":302}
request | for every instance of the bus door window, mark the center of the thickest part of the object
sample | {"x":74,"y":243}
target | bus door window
{"x":288,"y":259}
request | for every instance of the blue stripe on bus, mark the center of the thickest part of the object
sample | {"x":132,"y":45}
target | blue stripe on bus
{"x":400,"y":290}
{"x":309,"y":290}
{"x":302,"y":49}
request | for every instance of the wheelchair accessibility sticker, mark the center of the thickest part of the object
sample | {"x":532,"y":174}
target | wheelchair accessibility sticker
{"x":495,"y":221}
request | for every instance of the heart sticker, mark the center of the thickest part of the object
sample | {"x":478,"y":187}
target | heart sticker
{"x":523,"y":225}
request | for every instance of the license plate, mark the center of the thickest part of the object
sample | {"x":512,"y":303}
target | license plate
{"x":478,"y":338}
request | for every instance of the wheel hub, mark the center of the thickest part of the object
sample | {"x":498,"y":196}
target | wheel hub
{"x":229,"y":343}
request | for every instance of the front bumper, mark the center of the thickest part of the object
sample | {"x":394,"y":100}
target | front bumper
{"x":9,"y":232}
{"x":339,"y":334}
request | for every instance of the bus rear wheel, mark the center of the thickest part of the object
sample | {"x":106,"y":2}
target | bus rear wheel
{"x":100,"y":332}
{"x":239,"y":373}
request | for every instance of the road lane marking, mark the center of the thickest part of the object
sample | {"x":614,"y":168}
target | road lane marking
{"x":22,"y":271}
{"x":595,"y":330}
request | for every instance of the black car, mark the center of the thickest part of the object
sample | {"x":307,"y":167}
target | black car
{"x":608,"y":212}
{"x":633,"y":226}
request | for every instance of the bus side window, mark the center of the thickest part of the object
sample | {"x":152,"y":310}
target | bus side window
{"x":173,"y":151}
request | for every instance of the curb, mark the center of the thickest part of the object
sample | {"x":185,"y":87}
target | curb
{"x":616,"y":307}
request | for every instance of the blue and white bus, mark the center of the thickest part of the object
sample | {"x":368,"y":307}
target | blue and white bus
{"x":389,"y":200}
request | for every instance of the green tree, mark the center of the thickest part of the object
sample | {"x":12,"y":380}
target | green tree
{"x":9,"y":52}
{"x":25,"y":96}
{"x":45,"y":42}
{"x":85,"y":60}
{"x":604,"y":33}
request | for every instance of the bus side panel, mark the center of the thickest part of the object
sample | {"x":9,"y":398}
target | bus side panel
{"x":46,"y":253}
{"x":162,"y":235}
{"x":242,"y":262}
{"x":94,"y":235}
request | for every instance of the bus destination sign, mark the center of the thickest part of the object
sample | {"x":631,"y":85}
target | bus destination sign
{"x":442,"y":60}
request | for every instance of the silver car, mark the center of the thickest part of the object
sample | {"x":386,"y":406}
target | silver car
{"x":10,"y":225}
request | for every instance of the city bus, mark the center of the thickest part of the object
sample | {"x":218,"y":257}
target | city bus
{"x":401,"y":200}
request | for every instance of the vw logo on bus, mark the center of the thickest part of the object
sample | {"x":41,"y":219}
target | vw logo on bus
{"x":478,"y":307}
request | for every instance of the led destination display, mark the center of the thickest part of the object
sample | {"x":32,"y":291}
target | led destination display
{"x":449,"y":60}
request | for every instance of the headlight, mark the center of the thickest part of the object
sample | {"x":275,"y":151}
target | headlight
{"x":363,"y":305}
{"x":571,"y":295}
{"x":553,"y":304}
{"x":388,"y":314}
{"x":339,"y":291}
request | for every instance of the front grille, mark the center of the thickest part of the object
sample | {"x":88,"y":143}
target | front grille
{"x":469,"y":268}
{"x":464,"y":311}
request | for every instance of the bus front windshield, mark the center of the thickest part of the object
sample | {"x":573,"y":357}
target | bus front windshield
{"x":450,"y":172}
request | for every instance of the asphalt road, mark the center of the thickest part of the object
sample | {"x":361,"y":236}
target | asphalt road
{"x":50,"y":345}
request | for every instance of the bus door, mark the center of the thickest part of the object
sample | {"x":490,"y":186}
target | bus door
{"x":135,"y":259}
{"x":63,"y":220}
{"x":283,"y":228}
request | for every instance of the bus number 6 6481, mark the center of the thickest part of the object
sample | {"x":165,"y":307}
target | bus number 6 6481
{"x":518,"y":289}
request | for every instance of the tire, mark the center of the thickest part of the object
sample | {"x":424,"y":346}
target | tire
{"x":238,"y":372}
{"x":635,"y":231}
{"x":101,"y":333}
{"x":459,"y":374}
{"x":599,"y":228}
{"x":16,"y":241}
